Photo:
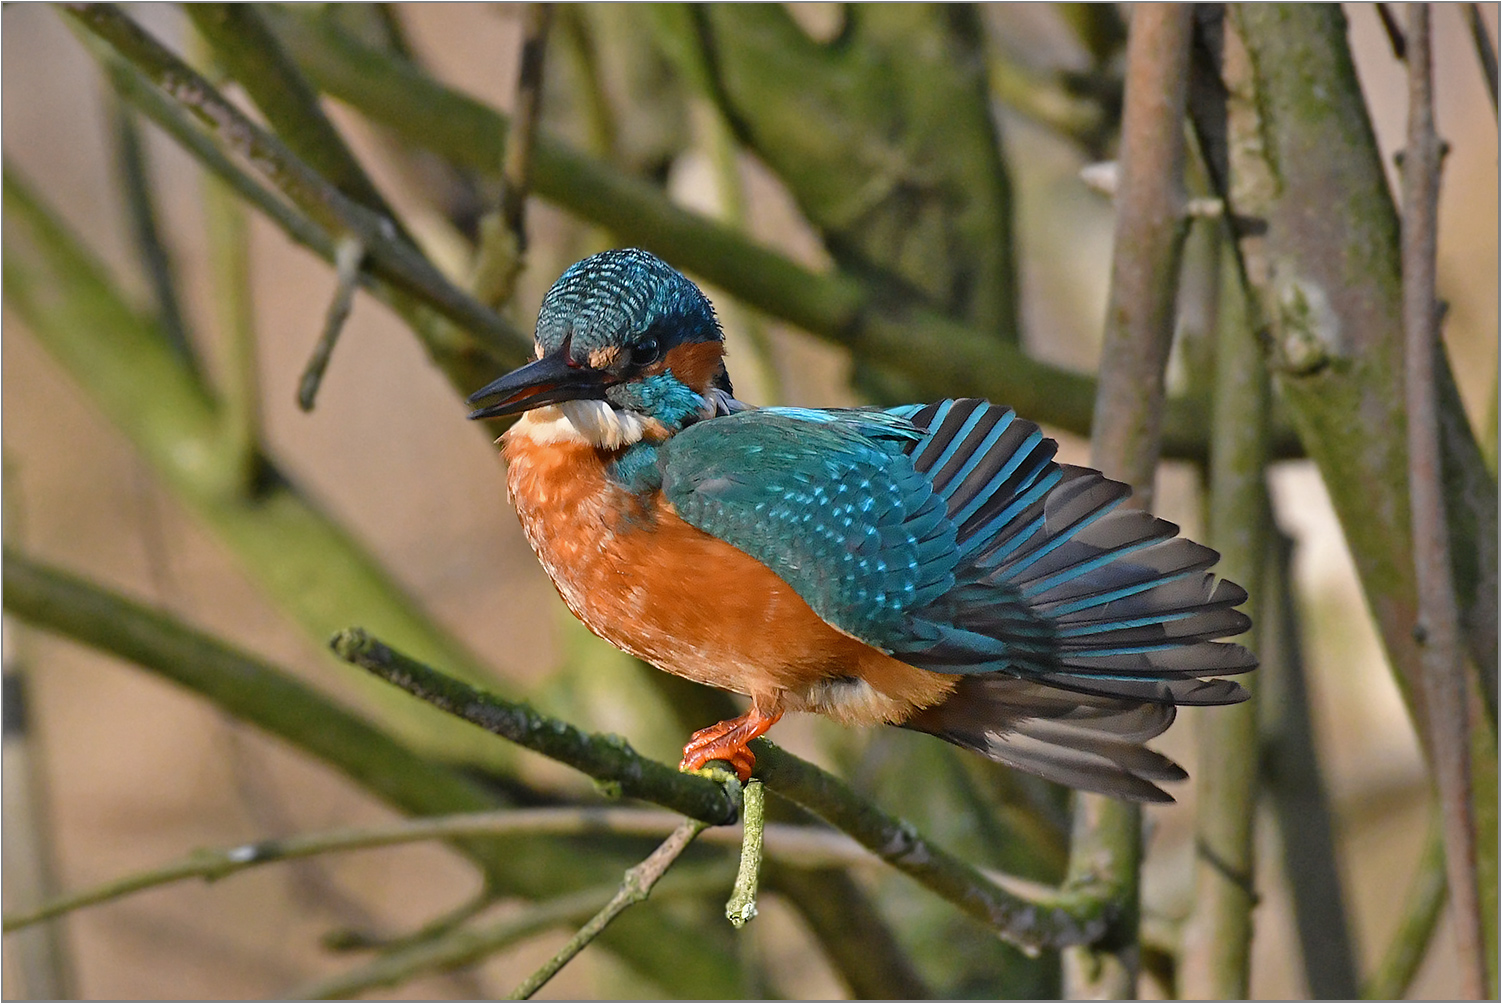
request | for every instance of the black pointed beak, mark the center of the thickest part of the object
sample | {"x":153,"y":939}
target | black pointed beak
{"x":553,"y":378}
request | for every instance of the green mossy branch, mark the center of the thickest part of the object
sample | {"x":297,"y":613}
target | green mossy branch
{"x":608,"y":759}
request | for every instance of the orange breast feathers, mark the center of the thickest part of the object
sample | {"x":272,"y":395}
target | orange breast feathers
{"x":641,"y":578}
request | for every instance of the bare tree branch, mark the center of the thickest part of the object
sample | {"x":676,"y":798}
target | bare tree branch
{"x":1438,"y":627}
{"x":1126,"y":433}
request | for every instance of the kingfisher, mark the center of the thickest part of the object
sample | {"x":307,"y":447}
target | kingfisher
{"x":932,"y":566}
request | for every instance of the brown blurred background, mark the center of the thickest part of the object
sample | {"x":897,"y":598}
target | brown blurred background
{"x":137,"y":773}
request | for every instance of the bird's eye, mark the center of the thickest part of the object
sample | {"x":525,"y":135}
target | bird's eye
{"x":645,"y":352}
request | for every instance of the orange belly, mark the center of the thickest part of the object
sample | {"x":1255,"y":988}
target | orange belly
{"x":641,"y":578}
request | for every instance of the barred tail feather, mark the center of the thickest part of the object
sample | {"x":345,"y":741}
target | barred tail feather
{"x":1081,"y":740}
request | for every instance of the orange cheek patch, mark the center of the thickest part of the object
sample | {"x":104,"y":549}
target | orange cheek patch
{"x":696,"y":363}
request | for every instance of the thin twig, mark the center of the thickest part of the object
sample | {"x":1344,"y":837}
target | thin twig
{"x":803,"y":845}
{"x":742,"y":905}
{"x":1438,"y":630}
{"x":135,"y":178}
{"x":466,"y":946}
{"x":449,"y":950}
{"x":1126,"y":432}
{"x":521,"y":138}
{"x":503,"y":231}
{"x":347,"y":258}
{"x":1394,"y":32}
{"x":1416,"y":924}
{"x":363,"y":940}
{"x":1484,"y":51}
{"x":454,"y":354}
{"x":41,"y":959}
{"x":636,"y":887}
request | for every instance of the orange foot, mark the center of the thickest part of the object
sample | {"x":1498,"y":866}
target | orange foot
{"x":727,"y":741}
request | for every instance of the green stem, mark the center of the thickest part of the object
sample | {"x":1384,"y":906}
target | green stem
{"x":228,"y":229}
{"x":1216,"y":960}
{"x":1416,"y":925}
{"x":742,"y":905}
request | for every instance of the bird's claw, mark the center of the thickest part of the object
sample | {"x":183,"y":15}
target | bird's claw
{"x":741,"y":759}
{"x":727,"y":741}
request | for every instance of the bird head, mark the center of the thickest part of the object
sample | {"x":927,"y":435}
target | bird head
{"x":626,"y":346}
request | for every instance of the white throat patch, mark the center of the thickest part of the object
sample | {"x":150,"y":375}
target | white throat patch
{"x":593,"y":422}
{"x":603,"y":426}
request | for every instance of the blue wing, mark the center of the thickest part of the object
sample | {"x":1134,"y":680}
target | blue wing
{"x":947,"y":536}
